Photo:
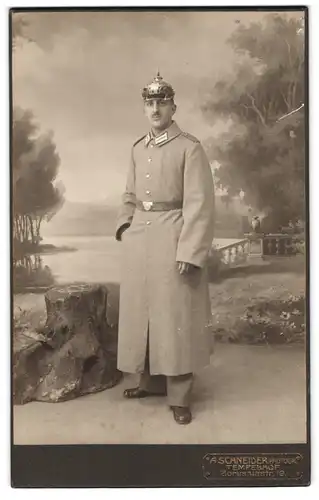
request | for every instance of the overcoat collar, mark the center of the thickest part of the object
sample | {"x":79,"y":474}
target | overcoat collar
{"x":166,"y":136}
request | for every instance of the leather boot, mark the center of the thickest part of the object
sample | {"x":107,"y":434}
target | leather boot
{"x":182,"y":414}
{"x":138,"y":393}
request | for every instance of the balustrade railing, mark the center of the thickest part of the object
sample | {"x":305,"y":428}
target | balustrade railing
{"x":258,"y":245}
{"x":279,"y":244}
{"x":235,"y":253}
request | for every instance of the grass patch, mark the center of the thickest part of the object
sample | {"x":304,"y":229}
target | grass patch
{"x":260,"y":306}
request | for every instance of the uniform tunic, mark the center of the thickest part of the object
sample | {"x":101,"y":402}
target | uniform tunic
{"x":155,"y":300}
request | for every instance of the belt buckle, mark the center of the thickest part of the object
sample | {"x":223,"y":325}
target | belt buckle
{"x":147,"y":205}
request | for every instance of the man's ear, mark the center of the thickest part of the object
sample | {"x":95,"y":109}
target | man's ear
{"x":174,"y":108}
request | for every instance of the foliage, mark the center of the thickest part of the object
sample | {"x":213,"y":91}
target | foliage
{"x":301,"y":247}
{"x":19,"y":28}
{"x":29,"y":272}
{"x":271,"y":322}
{"x":20,"y":320}
{"x":35,"y":165}
{"x":259,"y":155}
{"x":27,"y":324}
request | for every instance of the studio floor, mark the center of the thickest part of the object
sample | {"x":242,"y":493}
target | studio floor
{"x":249,"y":394}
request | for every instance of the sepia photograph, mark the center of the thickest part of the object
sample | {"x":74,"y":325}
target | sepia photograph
{"x":159,"y":212}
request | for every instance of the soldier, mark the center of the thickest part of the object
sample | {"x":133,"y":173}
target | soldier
{"x":166,"y":228}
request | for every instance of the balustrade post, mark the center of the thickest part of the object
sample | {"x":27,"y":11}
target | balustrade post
{"x":255,"y":251}
{"x":233,"y":254}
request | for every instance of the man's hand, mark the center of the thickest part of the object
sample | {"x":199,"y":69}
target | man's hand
{"x":121,"y":230}
{"x":186,"y":267}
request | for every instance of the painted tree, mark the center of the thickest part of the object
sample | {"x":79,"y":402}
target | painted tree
{"x":264,"y":160}
{"x":35,"y":164}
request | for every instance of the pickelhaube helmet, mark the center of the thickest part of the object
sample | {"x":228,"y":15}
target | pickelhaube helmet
{"x":158,"y":89}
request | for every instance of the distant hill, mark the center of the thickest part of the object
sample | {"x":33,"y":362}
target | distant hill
{"x":82,"y":219}
{"x":90,"y":219}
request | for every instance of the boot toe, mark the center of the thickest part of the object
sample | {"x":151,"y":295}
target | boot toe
{"x":134,"y":393}
{"x":138,"y":393}
{"x":182,"y":415}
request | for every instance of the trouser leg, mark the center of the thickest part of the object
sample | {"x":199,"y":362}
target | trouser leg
{"x":179,"y":389}
{"x":151,"y":383}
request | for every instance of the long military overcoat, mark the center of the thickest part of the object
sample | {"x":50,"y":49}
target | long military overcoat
{"x":156,"y":302}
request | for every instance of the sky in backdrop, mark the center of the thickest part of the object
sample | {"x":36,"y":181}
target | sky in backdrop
{"x":83,"y":76}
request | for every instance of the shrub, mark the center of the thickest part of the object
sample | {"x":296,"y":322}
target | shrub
{"x":300,"y":246}
{"x":26,"y":276}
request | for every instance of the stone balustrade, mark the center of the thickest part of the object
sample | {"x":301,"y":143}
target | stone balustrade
{"x":258,"y":246}
{"x":234,"y":253}
{"x":279,"y":244}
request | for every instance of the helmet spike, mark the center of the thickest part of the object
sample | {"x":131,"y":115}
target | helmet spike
{"x":158,"y":76}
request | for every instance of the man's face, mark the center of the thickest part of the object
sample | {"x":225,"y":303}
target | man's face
{"x":159,"y":113}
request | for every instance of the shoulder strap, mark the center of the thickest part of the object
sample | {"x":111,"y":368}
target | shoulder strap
{"x":190,"y":137}
{"x":139,"y":140}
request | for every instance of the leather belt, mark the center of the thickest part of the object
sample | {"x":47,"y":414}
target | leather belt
{"x":158,"y":206}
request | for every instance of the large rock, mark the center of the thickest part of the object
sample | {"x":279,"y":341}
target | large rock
{"x":74,"y":353}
